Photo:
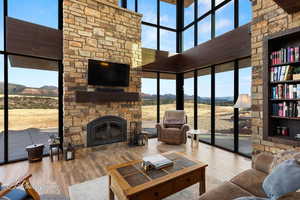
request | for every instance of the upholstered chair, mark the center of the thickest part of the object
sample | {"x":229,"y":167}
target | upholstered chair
{"x":173,"y":128}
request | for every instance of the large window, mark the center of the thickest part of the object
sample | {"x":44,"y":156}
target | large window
{"x":167,"y":14}
{"x":204,"y":30}
{"x":203,"y":7}
{"x":149,"y":102}
{"x":149,"y":10}
{"x":149,"y":37}
{"x":189,"y":12}
{"x":245,"y":12}
{"x":167,"y":93}
{"x":168,"y":41}
{"x":33,"y":105}
{"x":225,"y":19}
{"x":204,"y":104}
{"x":189,"y":97}
{"x":188,"y":38}
{"x":245,"y":144}
{"x":32,"y":92}
{"x":43,"y":12}
{"x":224,"y":101}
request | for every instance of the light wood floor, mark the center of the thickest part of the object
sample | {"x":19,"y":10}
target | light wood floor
{"x":91,"y":163}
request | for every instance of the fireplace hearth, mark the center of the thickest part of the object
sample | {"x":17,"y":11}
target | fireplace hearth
{"x":106,"y":130}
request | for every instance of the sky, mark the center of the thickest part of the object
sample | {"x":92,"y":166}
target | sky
{"x":44,"y":12}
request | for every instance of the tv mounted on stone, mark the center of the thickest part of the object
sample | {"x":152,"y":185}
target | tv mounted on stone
{"x":102,"y":73}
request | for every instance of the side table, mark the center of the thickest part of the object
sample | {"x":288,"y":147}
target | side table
{"x":55,"y":149}
{"x":194,"y":133}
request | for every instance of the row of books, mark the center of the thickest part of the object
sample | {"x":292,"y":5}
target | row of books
{"x":286,"y":109}
{"x":285,"y":55}
{"x":286,"y":91}
{"x":281,"y":73}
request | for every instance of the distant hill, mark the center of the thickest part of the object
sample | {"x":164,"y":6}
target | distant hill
{"x":16,"y":89}
{"x":169,"y":98}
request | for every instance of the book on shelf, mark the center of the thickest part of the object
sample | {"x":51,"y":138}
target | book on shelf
{"x":285,"y":91}
{"x":285,"y":55}
{"x":281,"y":73}
{"x":286,"y":109}
{"x":158,"y":161}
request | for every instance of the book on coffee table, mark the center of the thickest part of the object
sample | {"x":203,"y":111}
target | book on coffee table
{"x":158,"y":161}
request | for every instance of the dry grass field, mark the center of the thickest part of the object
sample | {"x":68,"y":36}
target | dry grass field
{"x":20,"y":119}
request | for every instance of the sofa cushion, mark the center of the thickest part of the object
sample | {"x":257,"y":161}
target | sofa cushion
{"x":283,"y":179}
{"x":251,"y":180}
{"x":226,"y":191}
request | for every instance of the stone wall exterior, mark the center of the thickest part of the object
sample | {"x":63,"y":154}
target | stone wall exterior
{"x":97,"y":29}
{"x":268,"y":18}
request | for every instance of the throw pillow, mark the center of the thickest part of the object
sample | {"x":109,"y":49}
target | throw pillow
{"x":282,"y":180}
{"x":16,"y":194}
{"x":251,"y":198}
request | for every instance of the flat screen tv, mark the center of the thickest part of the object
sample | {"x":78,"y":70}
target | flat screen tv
{"x":108,"y":74}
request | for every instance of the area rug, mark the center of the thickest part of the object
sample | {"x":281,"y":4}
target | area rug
{"x":97,"y":189}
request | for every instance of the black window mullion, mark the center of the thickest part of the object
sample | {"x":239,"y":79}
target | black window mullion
{"x":236,"y":14}
{"x":213,"y":105}
{"x":196,"y":24}
{"x":5,"y":10}
{"x":213,"y":19}
{"x":158,"y":97}
{"x":196,"y":99}
{"x":136,"y":6}
{"x":158,"y":24}
{"x":236,"y":110}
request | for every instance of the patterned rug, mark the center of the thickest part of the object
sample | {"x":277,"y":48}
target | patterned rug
{"x":98,"y":189}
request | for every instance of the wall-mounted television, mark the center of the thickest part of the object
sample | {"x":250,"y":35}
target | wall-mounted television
{"x":108,"y":74}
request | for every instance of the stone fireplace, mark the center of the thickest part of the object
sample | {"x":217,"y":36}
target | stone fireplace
{"x":106,"y":130}
{"x":99,"y":30}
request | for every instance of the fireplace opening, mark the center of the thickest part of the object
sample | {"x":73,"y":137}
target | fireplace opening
{"x":106,"y":130}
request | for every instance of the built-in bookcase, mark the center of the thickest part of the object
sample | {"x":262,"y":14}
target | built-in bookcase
{"x":282,"y":87}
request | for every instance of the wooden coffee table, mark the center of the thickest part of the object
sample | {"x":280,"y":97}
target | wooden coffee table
{"x":129,"y":182}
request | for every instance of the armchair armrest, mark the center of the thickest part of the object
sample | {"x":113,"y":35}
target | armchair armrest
{"x":185,"y":128}
{"x":263,"y":162}
{"x":290,"y":196}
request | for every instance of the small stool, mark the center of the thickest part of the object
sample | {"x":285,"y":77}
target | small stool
{"x":55,"y":149}
{"x":35,"y":152}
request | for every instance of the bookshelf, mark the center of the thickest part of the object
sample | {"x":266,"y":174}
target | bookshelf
{"x":281,"y":107}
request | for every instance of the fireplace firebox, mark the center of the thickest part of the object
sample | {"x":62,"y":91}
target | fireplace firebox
{"x":106,"y":130}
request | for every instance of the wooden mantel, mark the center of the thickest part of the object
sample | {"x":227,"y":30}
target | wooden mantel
{"x":99,"y":97}
{"x":290,"y":6}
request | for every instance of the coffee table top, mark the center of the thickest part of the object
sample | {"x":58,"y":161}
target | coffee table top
{"x":132,"y":178}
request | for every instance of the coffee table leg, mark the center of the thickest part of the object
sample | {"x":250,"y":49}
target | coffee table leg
{"x":111,"y":193}
{"x":202,"y":183}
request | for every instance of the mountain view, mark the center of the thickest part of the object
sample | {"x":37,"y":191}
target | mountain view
{"x":16,"y":89}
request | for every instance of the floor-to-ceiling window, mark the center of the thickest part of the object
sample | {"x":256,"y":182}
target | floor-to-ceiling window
{"x":32,"y":104}
{"x":189,"y":97}
{"x":245,"y":144}
{"x":204,"y":103}
{"x":149,"y":101}
{"x":167,"y":93}
{"x":31,"y":113}
{"x":224,"y":101}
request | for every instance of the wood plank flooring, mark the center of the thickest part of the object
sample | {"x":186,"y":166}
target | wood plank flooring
{"x":56,"y":177}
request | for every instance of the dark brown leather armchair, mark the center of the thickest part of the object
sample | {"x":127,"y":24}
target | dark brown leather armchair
{"x":174,"y":127}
